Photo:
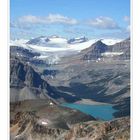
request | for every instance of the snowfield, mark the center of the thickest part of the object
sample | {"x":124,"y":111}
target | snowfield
{"x":55,"y":47}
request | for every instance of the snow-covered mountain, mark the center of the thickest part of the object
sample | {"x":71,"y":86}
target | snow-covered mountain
{"x":53,"y":44}
{"x":56,"y":47}
{"x":48,"y":41}
{"x":77,"y":40}
{"x":56,"y":43}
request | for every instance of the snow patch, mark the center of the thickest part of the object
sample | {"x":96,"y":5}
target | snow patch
{"x":111,"y":54}
{"x":80,"y":46}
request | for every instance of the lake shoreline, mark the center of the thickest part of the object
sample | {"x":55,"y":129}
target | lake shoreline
{"x":98,"y":110}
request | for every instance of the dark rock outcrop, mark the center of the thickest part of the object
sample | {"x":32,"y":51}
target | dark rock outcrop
{"x":26,"y":83}
{"x":25,"y":74}
{"x":23,"y":52}
{"x":36,"y":41}
{"x":94,"y":52}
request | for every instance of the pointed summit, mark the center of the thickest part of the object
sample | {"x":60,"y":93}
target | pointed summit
{"x":95,"y":50}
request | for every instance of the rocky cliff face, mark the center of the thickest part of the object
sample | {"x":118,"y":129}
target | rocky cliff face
{"x":94,"y":52}
{"x":23,"y":52}
{"x":112,"y":130}
{"x":118,"y":51}
{"x":123,"y":46}
{"x":26,"y":83}
{"x":27,"y":55}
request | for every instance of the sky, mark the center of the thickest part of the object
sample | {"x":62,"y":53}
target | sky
{"x":70,"y":18}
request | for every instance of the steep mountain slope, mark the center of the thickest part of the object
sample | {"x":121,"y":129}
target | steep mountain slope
{"x":123,"y":46}
{"x":25,"y":83}
{"x":23,"y":52}
{"x":94,"y":51}
{"x":120,"y":50}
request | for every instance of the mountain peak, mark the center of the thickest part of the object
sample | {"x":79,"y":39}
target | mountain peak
{"x":44,"y":40}
{"x":95,"y":50}
{"x":77,"y":40}
{"x":99,"y":42}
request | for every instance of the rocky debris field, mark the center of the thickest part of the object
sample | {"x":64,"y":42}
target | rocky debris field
{"x":31,"y":120}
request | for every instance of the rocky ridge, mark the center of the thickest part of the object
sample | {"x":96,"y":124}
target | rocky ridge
{"x":27,"y":126}
{"x":26,"y":83}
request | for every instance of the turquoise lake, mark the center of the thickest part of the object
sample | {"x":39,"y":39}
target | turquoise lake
{"x":103,"y":112}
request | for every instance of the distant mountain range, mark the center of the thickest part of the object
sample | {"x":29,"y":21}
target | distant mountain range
{"x":53,"y":48}
{"x":77,"y":40}
{"x":56,"y":41}
{"x":120,"y":50}
{"x":44,"y":41}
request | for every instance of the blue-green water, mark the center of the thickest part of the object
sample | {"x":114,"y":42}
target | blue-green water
{"x":104,"y":112}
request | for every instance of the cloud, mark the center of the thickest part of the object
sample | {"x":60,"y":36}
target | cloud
{"x":12,"y":25}
{"x":103,"y":23}
{"x":128,"y":28}
{"x":20,"y":25}
{"x":50,"y":19}
{"x":126,"y":18}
